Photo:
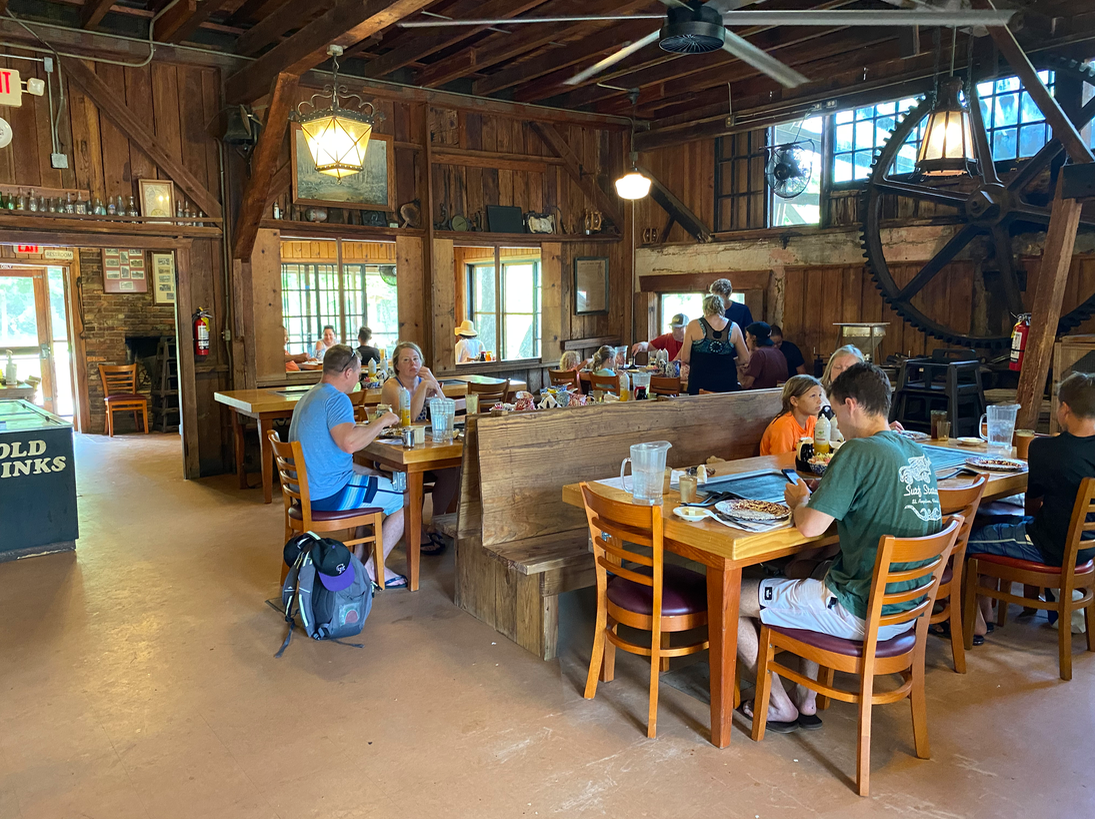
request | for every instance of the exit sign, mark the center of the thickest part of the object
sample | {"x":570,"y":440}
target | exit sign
{"x":11,"y":88}
{"x":27,"y":249}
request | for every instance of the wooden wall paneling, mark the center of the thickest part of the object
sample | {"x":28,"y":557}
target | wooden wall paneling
{"x":165,"y":113}
{"x":53,"y":178}
{"x":443,"y":306}
{"x":138,"y":96}
{"x":552,"y":305}
{"x":7,"y":158}
{"x":25,"y":127}
{"x":267,"y":340}
{"x":184,"y":309}
{"x":412,"y":322}
{"x":118,"y":180}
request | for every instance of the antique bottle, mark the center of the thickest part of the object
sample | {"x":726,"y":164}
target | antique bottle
{"x":277,"y":210}
{"x":111,"y":208}
{"x":81,"y":205}
{"x":21,"y":202}
{"x":70,"y":206}
{"x":32,"y":204}
{"x":132,"y":209}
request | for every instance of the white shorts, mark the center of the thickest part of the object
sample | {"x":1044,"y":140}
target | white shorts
{"x":809,"y":605}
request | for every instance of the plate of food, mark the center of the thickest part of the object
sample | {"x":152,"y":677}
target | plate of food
{"x":756,"y":510}
{"x":914,"y":435}
{"x":997,"y":464}
{"x":969,"y":441}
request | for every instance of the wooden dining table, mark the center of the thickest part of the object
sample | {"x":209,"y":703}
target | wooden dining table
{"x":266,"y":406}
{"x":415,"y":462}
{"x":724,"y":551}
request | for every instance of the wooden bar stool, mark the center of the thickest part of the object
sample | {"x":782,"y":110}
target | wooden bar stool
{"x":870,"y":658}
{"x":120,"y":394}
{"x":300,"y":517}
{"x":643,"y":592}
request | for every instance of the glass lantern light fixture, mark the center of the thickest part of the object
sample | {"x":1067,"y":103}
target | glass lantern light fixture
{"x":947,"y":146}
{"x":337,"y":137}
{"x":634,"y":184}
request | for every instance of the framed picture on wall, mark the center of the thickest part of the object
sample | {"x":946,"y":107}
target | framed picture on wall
{"x":124,"y":271}
{"x":163,"y":278}
{"x":590,"y":285}
{"x":372,"y":189}
{"x":157,"y":198}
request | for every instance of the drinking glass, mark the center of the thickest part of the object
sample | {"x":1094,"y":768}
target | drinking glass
{"x":943,"y":430}
{"x":442,"y":411}
{"x":648,"y":470}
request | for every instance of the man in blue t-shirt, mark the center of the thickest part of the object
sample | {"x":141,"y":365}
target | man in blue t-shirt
{"x":323,"y":422}
{"x":736,"y":311}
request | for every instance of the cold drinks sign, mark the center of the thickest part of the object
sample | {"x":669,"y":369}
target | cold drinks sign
{"x":11,"y":88}
{"x":29,"y":458}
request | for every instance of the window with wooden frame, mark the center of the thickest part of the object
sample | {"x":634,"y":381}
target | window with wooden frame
{"x":502,"y":298}
{"x":740,"y":192}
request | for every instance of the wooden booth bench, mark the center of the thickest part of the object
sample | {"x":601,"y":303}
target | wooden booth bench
{"x":518,"y":546}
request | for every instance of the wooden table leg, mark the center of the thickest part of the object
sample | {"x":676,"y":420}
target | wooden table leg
{"x":241,"y":468}
{"x":267,"y":454}
{"x":723,"y":595}
{"x":412,"y":527}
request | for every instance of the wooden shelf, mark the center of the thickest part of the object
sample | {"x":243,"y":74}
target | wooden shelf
{"x":116,"y":220}
{"x":323,"y":230}
{"x":471,"y":237}
{"x":94,"y":231}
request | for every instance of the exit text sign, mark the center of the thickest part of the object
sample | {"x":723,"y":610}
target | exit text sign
{"x":11,"y":88}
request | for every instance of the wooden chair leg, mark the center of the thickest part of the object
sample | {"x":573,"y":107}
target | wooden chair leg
{"x":144,"y":414}
{"x":655,"y":670}
{"x":597,"y":656}
{"x":1002,"y":605}
{"x":919,"y":702}
{"x":969,"y":603}
{"x":764,"y":685}
{"x":958,"y":649}
{"x":109,"y":422}
{"x":663,"y":665}
{"x":863,"y":748}
{"x":378,"y":548}
{"x":825,"y":677}
{"x":1064,"y":632}
{"x":1087,"y":626}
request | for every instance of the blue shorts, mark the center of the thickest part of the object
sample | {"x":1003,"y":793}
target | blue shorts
{"x":1005,"y":540}
{"x":355,"y":495}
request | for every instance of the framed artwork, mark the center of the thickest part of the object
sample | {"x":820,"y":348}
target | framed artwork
{"x":372,"y":189}
{"x":590,"y":285}
{"x":163,"y":278}
{"x":124,"y":271}
{"x":157,"y":198}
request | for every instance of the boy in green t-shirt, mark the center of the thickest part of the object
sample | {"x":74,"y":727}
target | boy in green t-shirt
{"x":879,"y":483}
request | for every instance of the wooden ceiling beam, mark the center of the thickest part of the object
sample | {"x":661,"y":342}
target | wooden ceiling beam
{"x":251,"y":11}
{"x":184,"y":18}
{"x":501,"y":47}
{"x":134,"y":127}
{"x":289,"y":15}
{"x":93,"y":12}
{"x":424,"y":42}
{"x":347,"y":23}
{"x":264,"y":162}
{"x":559,"y":146}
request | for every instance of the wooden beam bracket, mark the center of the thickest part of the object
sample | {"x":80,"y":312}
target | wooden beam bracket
{"x":559,"y":146}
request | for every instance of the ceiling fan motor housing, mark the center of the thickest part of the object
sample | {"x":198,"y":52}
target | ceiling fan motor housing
{"x":692,"y":31}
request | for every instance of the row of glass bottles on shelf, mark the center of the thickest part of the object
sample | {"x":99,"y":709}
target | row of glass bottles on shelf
{"x":113,"y":207}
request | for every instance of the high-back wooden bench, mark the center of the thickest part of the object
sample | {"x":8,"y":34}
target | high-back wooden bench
{"x":518,"y":545}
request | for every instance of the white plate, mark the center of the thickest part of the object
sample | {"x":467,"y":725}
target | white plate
{"x":997,"y":464}
{"x":969,"y":441}
{"x":767,"y":513}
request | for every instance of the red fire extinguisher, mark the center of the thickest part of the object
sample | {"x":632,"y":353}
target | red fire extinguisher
{"x":202,"y":323}
{"x":1019,"y":335}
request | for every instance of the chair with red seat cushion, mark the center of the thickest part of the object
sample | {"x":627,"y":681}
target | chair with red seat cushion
{"x":964,"y":501}
{"x":300,"y":517}
{"x":869,"y":658}
{"x":1065,"y":578}
{"x":638,"y":590}
{"x":120,"y":394}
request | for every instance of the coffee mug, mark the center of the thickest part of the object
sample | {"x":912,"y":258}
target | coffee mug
{"x":1023,"y":437}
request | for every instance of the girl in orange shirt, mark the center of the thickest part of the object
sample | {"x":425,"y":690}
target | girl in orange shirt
{"x":802,"y":399}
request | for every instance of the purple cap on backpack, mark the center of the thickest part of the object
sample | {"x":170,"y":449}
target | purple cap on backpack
{"x":333,"y":565}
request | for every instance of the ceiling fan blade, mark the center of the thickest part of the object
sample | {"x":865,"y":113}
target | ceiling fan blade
{"x":868,"y":18}
{"x":762,"y":60}
{"x":675,"y":4}
{"x":509,"y":21}
{"x":613,"y":58}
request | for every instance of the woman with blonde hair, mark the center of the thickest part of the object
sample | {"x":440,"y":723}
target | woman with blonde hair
{"x":841,"y":359}
{"x":603,"y":361}
{"x":570,"y":360}
{"x":802,"y":398}
{"x":711,"y":345}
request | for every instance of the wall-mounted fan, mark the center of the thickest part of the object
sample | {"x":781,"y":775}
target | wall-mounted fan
{"x":789,"y":168}
{"x":694,"y":27}
{"x":387,"y":275}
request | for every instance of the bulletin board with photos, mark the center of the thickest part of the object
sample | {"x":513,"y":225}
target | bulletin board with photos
{"x":124,"y":271}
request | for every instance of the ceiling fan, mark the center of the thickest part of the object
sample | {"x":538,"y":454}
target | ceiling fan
{"x":694,"y":27}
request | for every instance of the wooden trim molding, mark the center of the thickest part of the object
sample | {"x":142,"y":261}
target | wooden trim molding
{"x":699,"y":282}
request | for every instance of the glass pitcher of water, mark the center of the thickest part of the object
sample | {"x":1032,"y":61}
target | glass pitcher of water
{"x":997,"y":426}
{"x":647,"y":472}
{"x":442,"y":411}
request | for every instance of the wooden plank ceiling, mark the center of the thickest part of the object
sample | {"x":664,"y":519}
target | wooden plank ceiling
{"x":529,"y":63}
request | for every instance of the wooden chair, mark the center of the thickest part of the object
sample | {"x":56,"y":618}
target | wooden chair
{"x":1064,"y":578}
{"x":489,"y":394}
{"x":870,"y":658}
{"x":653,"y":596}
{"x":665,"y":385}
{"x":361,"y":410}
{"x":962,"y":500}
{"x":604,"y":383}
{"x":120,"y":394}
{"x":567,"y":378}
{"x":299,"y":516}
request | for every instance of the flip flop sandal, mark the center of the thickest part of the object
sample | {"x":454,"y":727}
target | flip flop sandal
{"x":772,"y":725}
{"x":438,"y":544}
{"x":809,"y":722}
{"x":397,"y":582}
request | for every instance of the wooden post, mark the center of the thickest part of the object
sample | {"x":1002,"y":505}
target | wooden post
{"x":428,"y":341}
{"x":1046,"y":312}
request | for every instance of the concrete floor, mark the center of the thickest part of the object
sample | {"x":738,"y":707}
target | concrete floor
{"x":137,"y":679}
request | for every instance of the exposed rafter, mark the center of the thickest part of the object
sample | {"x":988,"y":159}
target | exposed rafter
{"x":561,"y":148}
{"x":93,"y":12}
{"x":290,"y":15}
{"x":180,"y":21}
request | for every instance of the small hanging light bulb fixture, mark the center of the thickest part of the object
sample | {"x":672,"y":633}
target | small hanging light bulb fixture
{"x":337,"y":137}
{"x":947,"y":146}
{"x":633,"y":184}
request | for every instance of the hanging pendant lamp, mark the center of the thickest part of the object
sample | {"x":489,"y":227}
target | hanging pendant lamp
{"x":337,"y":137}
{"x":634,"y":184}
{"x":947,"y":146}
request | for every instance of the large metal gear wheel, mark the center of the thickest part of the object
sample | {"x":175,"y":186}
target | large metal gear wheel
{"x":990,"y":210}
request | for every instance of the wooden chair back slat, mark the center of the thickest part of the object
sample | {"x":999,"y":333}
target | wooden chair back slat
{"x":1082,"y":509}
{"x":605,"y":383}
{"x":665,"y":385}
{"x":963,"y":501}
{"x":489,"y":392}
{"x":289,"y":459}
{"x":634,"y":523}
{"x":565,"y":378}
{"x":118,"y":378}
